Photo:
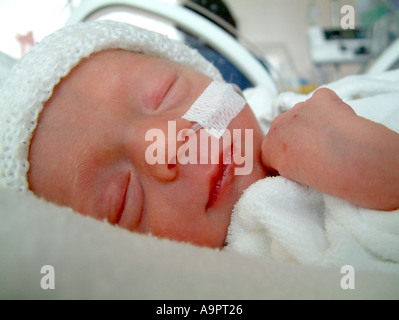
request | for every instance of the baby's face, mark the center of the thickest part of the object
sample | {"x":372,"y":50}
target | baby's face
{"x":89,"y":150}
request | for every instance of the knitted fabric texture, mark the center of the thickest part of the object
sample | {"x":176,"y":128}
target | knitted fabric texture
{"x":34,"y":77}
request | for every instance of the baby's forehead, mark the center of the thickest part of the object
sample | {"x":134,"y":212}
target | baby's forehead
{"x":107,"y":77}
{"x":100,"y":74}
{"x":119,"y":58}
{"x":114,"y":66}
{"x":117,"y":75}
{"x":104,"y":62}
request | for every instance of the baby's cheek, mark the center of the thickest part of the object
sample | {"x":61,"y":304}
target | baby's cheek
{"x":196,"y":231}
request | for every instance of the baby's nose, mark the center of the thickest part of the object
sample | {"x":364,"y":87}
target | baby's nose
{"x":179,"y":133}
{"x":161,"y":156}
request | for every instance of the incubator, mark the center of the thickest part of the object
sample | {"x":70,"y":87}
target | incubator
{"x":387,"y":60}
{"x":211,"y":28}
{"x":215,"y":38}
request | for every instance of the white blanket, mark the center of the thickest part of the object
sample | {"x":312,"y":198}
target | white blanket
{"x":375,"y":97}
{"x":94,"y":260}
{"x":282,"y":220}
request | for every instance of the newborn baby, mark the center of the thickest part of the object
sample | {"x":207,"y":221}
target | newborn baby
{"x":105,"y":173}
{"x":77,"y":137}
{"x":82,"y":141}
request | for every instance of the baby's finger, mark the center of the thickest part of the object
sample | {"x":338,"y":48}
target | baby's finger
{"x":266,"y":152}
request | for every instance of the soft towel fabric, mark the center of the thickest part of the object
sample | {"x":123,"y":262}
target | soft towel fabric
{"x":282,"y":220}
{"x":33,"y":78}
{"x":279,"y":219}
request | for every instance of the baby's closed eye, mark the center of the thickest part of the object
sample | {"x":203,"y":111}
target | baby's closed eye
{"x":159,"y":90}
{"x":116,"y":196}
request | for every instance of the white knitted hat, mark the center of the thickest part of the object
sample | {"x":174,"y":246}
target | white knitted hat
{"x":34,"y":77}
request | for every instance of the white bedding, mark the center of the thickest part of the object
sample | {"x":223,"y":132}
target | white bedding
{"x":94,"y":260}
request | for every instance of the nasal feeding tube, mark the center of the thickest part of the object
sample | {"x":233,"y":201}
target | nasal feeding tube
{"x":215,"y":108}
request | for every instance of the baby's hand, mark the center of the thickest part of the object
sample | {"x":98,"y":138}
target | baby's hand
{"x":300,"y":139}
{"x":322,"y":143}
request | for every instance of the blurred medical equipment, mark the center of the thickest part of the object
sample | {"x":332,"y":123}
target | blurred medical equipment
{"x":370,"y":45}
{"x":181,"y":20}
{"x":337,"y":45}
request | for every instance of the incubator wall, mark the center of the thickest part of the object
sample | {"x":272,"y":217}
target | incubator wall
{"x":276,"y":30}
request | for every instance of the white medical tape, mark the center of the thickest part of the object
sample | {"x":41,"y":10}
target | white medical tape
{"x":215,"y":108}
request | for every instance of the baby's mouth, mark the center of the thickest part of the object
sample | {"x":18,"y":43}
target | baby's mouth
{"x":220,"y":179}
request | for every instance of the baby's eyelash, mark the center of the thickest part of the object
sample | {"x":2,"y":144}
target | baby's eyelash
{"x":164,"y":90}
{"x":123,"y":202}
{"x":127,"y":211}
{"x":167,"y":91}
{"x":117,"y":193}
